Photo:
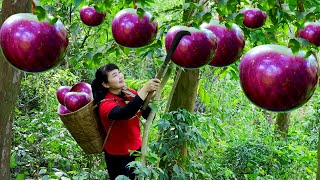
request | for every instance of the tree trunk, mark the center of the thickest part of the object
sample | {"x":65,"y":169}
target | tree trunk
{"x":282,"y":124}
{"x":10,"y":79}
{"x":184,"y":96}
{"x":269,"y":116}
{"x":185,"y":93}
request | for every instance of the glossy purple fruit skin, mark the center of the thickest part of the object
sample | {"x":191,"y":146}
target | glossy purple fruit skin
{"x":62,"y":109}
{"x":193,"y":51}
{"x":275,"y":79}
{"x":130,"y":31}
{"x":33,"y":46}
{"x":254,"y":17}
{"x":82,"y":87}
{"x":311,"y":32}
{"x":61,"y":92}
{"x":91,"y":17}
{"x":230,"y":43}
{"x":76,"y":100}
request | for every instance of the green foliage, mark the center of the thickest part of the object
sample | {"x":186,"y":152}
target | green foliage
{"x":41,"y":95}
{"x":176,"y":129}
{"x":228,"y":137}
{"x":77,"y":3}
{"x":152,"y":171}
{"x":42,"y":147}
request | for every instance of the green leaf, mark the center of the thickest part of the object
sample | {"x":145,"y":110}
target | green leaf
{"x":292,"y":4}
{"x":122,"y":177}
{"x":310,"y":17}
{"x":20,"y":177}
{"x":176,"y":169}
{"x":309,"y":52}
{"x":153,"y":107}
{"x":239,"y":18}
{"x":150,"y":54}
{"x":220,"y":12}
{"x":153,"y":158}
{"x":232,"y":16}
{"x":46,"y":177}
{"x":13,"y":163}
{"x":40,"y":12}
{"x":303,"y":42}
{"x":152,"y":19}
{"x":97,"y":58}
{"x":140,"y":12}
{"x":207,"y":17}
{"x":228,"y":25}
{"x":126,"y":50}
{"x":186,"y":5}
{"x":59,"y":174}
{"x":128,"y":2}
{"x":43,"y":171}
{"x":77,"y":3}
{"x":53,"y":20}
{"x":145,"y":3}
{"x":294,"y":45}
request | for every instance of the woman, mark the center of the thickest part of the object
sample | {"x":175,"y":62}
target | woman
{"x":119,"y":112}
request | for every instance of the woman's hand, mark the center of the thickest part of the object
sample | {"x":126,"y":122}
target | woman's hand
{"x":150,"y":86}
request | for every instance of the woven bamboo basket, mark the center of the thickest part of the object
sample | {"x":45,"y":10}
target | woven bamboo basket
{"x":85,"y":128}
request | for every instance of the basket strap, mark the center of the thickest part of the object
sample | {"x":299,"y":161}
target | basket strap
{"x":128,"y":92}
{"x":109,"y":129}
{"x":112,"y":123}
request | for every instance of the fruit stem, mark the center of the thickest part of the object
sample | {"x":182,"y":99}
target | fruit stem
{"x":135,"y":4}
{"x":33,"y":7}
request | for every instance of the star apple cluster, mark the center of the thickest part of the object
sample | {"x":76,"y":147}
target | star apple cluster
{"x":73,"y":98}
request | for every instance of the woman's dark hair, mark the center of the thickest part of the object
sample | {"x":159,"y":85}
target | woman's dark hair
{"x":98,"y":90}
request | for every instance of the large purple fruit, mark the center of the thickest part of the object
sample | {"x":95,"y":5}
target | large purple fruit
{"x":82,"y":87}
{"x":192,"y":51}
{"x":311,"y":32}
{"x":273,"y":78}
{"x":62,"y":109}
{"x":61,"y":92}
{"x":253,"y":17}
{"x":33,"y":46}
{"x":76,"y":100}
{"x":131,"y":31}
{"x":91,"y":17}
{"x":230,"y":43}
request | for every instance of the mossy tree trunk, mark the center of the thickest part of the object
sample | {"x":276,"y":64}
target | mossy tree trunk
{"x":184,"y":96}
{"x":10,"y":79}
{"x":282,"y":124}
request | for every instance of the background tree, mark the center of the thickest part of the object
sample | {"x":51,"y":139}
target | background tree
{"x":10,"y":79}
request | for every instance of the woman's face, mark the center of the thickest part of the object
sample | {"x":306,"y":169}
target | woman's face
{"x":115,"y":80}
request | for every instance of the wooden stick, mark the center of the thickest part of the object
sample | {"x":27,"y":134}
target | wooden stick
{"x":150,"y":118}
{"x":173,"y":47}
